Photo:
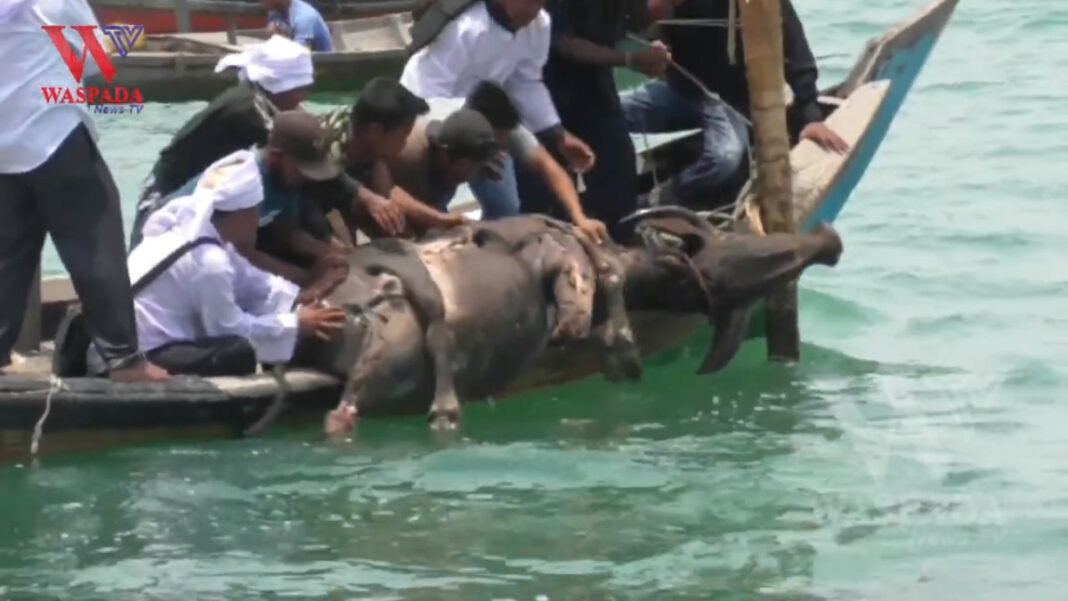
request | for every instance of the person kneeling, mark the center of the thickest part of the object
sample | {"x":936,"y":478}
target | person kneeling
{"x":201,"y":307}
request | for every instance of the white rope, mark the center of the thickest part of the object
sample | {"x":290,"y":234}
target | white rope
{"x":55,"y":384}
{"x":732,"y":31}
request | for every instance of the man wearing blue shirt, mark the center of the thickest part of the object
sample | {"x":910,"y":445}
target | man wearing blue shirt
{"x":300,"y":21}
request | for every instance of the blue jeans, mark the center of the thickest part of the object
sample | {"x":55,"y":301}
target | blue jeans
{"x":498,"y":198}
{"x":656,"y":107}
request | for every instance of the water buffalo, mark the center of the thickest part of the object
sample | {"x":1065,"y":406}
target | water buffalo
{"x":461,"y":314}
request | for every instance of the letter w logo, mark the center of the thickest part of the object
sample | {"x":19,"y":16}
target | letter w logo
{"x":92,"y":46}
{"x":124,"y":36}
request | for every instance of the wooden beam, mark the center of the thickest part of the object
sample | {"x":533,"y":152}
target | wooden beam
{"x":29,"y":340}
{"x":762,"y":42}
{"x":182,"y":15}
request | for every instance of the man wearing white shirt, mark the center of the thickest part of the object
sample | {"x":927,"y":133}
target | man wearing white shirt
{"x":210,"y":312}
{"x":506,"y":42}
{"x":53,"y":180}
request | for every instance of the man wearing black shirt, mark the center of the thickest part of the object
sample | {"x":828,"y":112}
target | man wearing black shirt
{"x":677,"y":103}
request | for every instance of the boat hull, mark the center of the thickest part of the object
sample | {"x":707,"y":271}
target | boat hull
{"x":164,"y":20}
{"x":869,"y":99}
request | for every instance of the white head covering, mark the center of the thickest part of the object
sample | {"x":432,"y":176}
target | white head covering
{"x":230,"y":184}
{"x":278,"y":65}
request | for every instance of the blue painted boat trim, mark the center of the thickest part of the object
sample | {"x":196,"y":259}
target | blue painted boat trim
{"x":902,"y":68}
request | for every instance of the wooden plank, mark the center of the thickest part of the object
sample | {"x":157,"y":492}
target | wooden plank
{"x":762,"y":40}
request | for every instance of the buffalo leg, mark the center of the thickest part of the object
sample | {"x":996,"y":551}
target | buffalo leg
{"x":445,"y":410}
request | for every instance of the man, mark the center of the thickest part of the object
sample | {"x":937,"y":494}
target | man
{"x":300,"y":21}
{"x":580,"y":76}
{"x":677,"y":103}
{"x":274,"y":76}
{"x":493,"y":102}
{"x":53,"y":180}
{"x":440,"y":155}
{"x":206,"y":310}
{"x":507,"y":42}
{"x":364,"y":139}
{"x":295,"y":155}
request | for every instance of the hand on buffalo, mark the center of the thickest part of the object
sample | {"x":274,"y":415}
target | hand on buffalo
{"x":386,"y":215}
{"x":320,"y":323}
{"x":593,"y":229}
{"x":328,"y":272}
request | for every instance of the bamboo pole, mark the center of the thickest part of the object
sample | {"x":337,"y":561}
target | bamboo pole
{"x":182,"y":16}
{"x":762,"y":42}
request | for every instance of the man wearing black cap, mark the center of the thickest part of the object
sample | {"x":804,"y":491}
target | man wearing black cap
{"x":439,"y":156}
{"x":296,"y":154}
{"x":364,"y":139}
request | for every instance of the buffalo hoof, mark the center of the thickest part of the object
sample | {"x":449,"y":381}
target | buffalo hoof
{"x":445,"y":413}
{"x":340,"y":422}
{"x":444,"y":422}
{"x":621,"y":357}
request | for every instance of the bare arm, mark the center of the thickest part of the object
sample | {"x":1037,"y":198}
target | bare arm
{"x":421,"y":215}
{"x":558,"y":182}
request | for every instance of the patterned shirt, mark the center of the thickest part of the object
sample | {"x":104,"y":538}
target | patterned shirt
{"x":336,"y":124}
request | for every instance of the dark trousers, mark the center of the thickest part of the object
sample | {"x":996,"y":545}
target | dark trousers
{"x":722,"y":166}
{"x":72,"y":197}
{"x":224,"y":356}
{"x":596,"y":117}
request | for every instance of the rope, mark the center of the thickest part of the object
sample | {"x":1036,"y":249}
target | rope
{"x":732,"y":31}
{"x":55,"y":384}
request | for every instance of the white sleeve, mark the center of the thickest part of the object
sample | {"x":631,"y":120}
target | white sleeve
{"x":258,"y":292}
{"x":526,"y":86}
{"x":272,"y":336}
{"x":72,"y":12}
{"x":433,"y":71}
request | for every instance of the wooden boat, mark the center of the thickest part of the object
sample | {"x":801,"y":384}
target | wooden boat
{"x":181,"y":67}
{"x":87,"y":413}
{"x":171,"y":16}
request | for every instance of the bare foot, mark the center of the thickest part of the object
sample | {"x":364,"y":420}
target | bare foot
{"x":142,"y":372}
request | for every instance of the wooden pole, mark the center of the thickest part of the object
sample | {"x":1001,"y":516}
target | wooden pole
{"x":762,"y":42}
{"x":181,"y":14}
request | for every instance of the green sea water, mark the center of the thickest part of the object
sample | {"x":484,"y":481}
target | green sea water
{"x":917,"y":452}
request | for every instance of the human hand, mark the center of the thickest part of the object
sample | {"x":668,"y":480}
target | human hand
{"x":579,"y":156}
{"x":320,"y":322}
{"x":825,"y":137}
{"x":652,"y":61}
{"x":593,"y":229}
{"x":386,"y":215}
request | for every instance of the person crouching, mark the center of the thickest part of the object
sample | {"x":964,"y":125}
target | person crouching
{"x":202,"y":308}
